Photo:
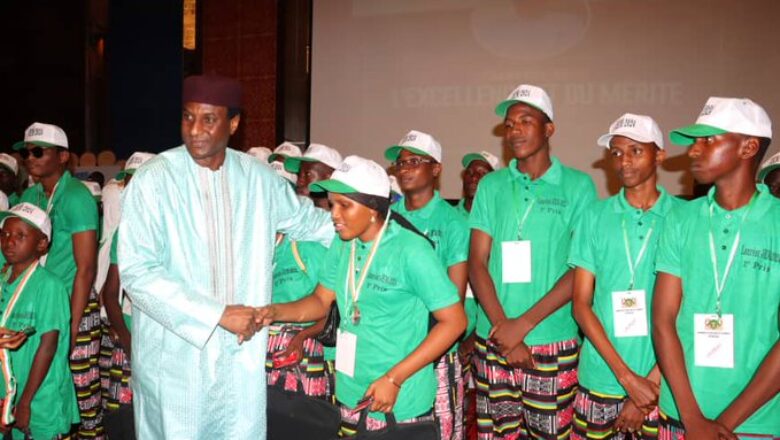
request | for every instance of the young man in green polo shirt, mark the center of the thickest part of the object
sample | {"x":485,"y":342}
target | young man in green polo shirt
{"x":417,"y":158}
{"x":43,"y":400}
{"x":296,"y":268}
{"x":770,"y":174}
{"x":475,"y":167}
{"x":521,"y":225}
{"x":72,"y":256}
{"x":715,"y":309}
{"x":613,"y":255}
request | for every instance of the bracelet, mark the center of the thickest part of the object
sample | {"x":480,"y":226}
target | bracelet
{"x":392,"y":381}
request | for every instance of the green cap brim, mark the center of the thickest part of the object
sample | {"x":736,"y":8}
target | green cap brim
{"x":20,"y":145}
{"x":471,"y":157}
{"x":333,"y":186}
{"x":124,"y":173}
{"x":686,"y":136}
{"x":503,"y":107}
{"x":293,"y":164}
{"x":765,"y":171}
{"x":393,"y":152}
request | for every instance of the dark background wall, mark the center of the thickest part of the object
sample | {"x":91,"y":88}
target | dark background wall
{"x":42,"y":68}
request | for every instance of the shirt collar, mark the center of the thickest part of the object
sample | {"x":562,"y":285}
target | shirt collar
{"x":551,"y":176}
{"x":66,"y":176}
{"x":661,"y":206}
{"x":760,"y":202}
{"x":424,"y":212}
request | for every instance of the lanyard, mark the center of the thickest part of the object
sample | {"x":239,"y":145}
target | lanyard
{"x":50,"y":202}
{"x":7,"y":416}
{"x":355,"y":289}
{"x":632,"y":265}
{"x":516,"y":198}
{"x":720,"y":283}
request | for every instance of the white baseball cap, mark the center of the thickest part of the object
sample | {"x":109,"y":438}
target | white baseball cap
{"x":356,"y":175}
{"x":134,"y":162}
{"x":394,"y":186}
{"x":285,"y":150}
{"x":534,"y":96}
{"x":315,"y":153}
{"x":94,"y":188}
{"x":491,"y":159}
{"x":279,"y":168}
{"x":260,"y":153}
{"x":9,"y":162}
{"x":43,"y":135}
{"x":725,"y":115}
{"x":640,"y":128}
{"x":418,"y":143}
{"x":4,"y":203}
{"x":31,"y":215}
{"x":768,"y":166}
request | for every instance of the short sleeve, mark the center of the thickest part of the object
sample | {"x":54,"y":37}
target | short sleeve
{"x":584,"y":198}
{"x":429,"y":279}
{"x":328,"y":271}
{"x":482,"y":207}
{"x":80,"y":210}
{"x":670,"y":245}
{"x":583,"y":242}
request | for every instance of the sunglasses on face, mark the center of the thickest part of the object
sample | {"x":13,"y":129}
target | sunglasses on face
{"x":37,"y":152}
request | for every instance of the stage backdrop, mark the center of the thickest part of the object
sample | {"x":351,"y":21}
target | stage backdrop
{"x":383,"y":67}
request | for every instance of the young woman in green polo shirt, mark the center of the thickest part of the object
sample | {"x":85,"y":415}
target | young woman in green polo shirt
{"x":385,"y":349}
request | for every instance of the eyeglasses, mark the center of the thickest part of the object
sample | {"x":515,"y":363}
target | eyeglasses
{"x":411,"y":163}
{"x":37,"y":152}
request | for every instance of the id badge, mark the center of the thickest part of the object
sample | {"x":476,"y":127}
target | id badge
{"x":516,"y":261}
{"x":346,"y":348}
{"x":629,"y":313}
{"x":713,"y":341}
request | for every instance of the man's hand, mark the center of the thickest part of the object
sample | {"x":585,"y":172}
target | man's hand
{"x":521,"y":357}
{"x":630,"y":418}
{"x":384,"y":393}
{"x":641,"y":391}
{"x":240,"y":320}
{"x":508,"y":334}
{"x":265,"y":316}
{"x":22,"y":416}
{"x":10,"y":339}
{"x":702,"y":428}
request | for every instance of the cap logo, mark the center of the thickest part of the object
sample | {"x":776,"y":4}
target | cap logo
{"x":35,"y":131}
{"x":522,"y":93}
{"x":26,"y":209}
{"x":344,"y":167}
{"x":707,"y":110}
{"x":135,"y":160}
{"x":409,"y":138}
{"x":625,"y":123}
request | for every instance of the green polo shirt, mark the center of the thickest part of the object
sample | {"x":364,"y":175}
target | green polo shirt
{"x":470,"y":304}
{"x":13,"y":200}
{"x":403,"y":285}
{"x":444,"y":226}
{"x":598,"y":246}
{"x":291,"y":283}
{"x":750,"y":294}
{"x":503,"y":197}
{"x":74,"y":210}
{"x":44,"y":305}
